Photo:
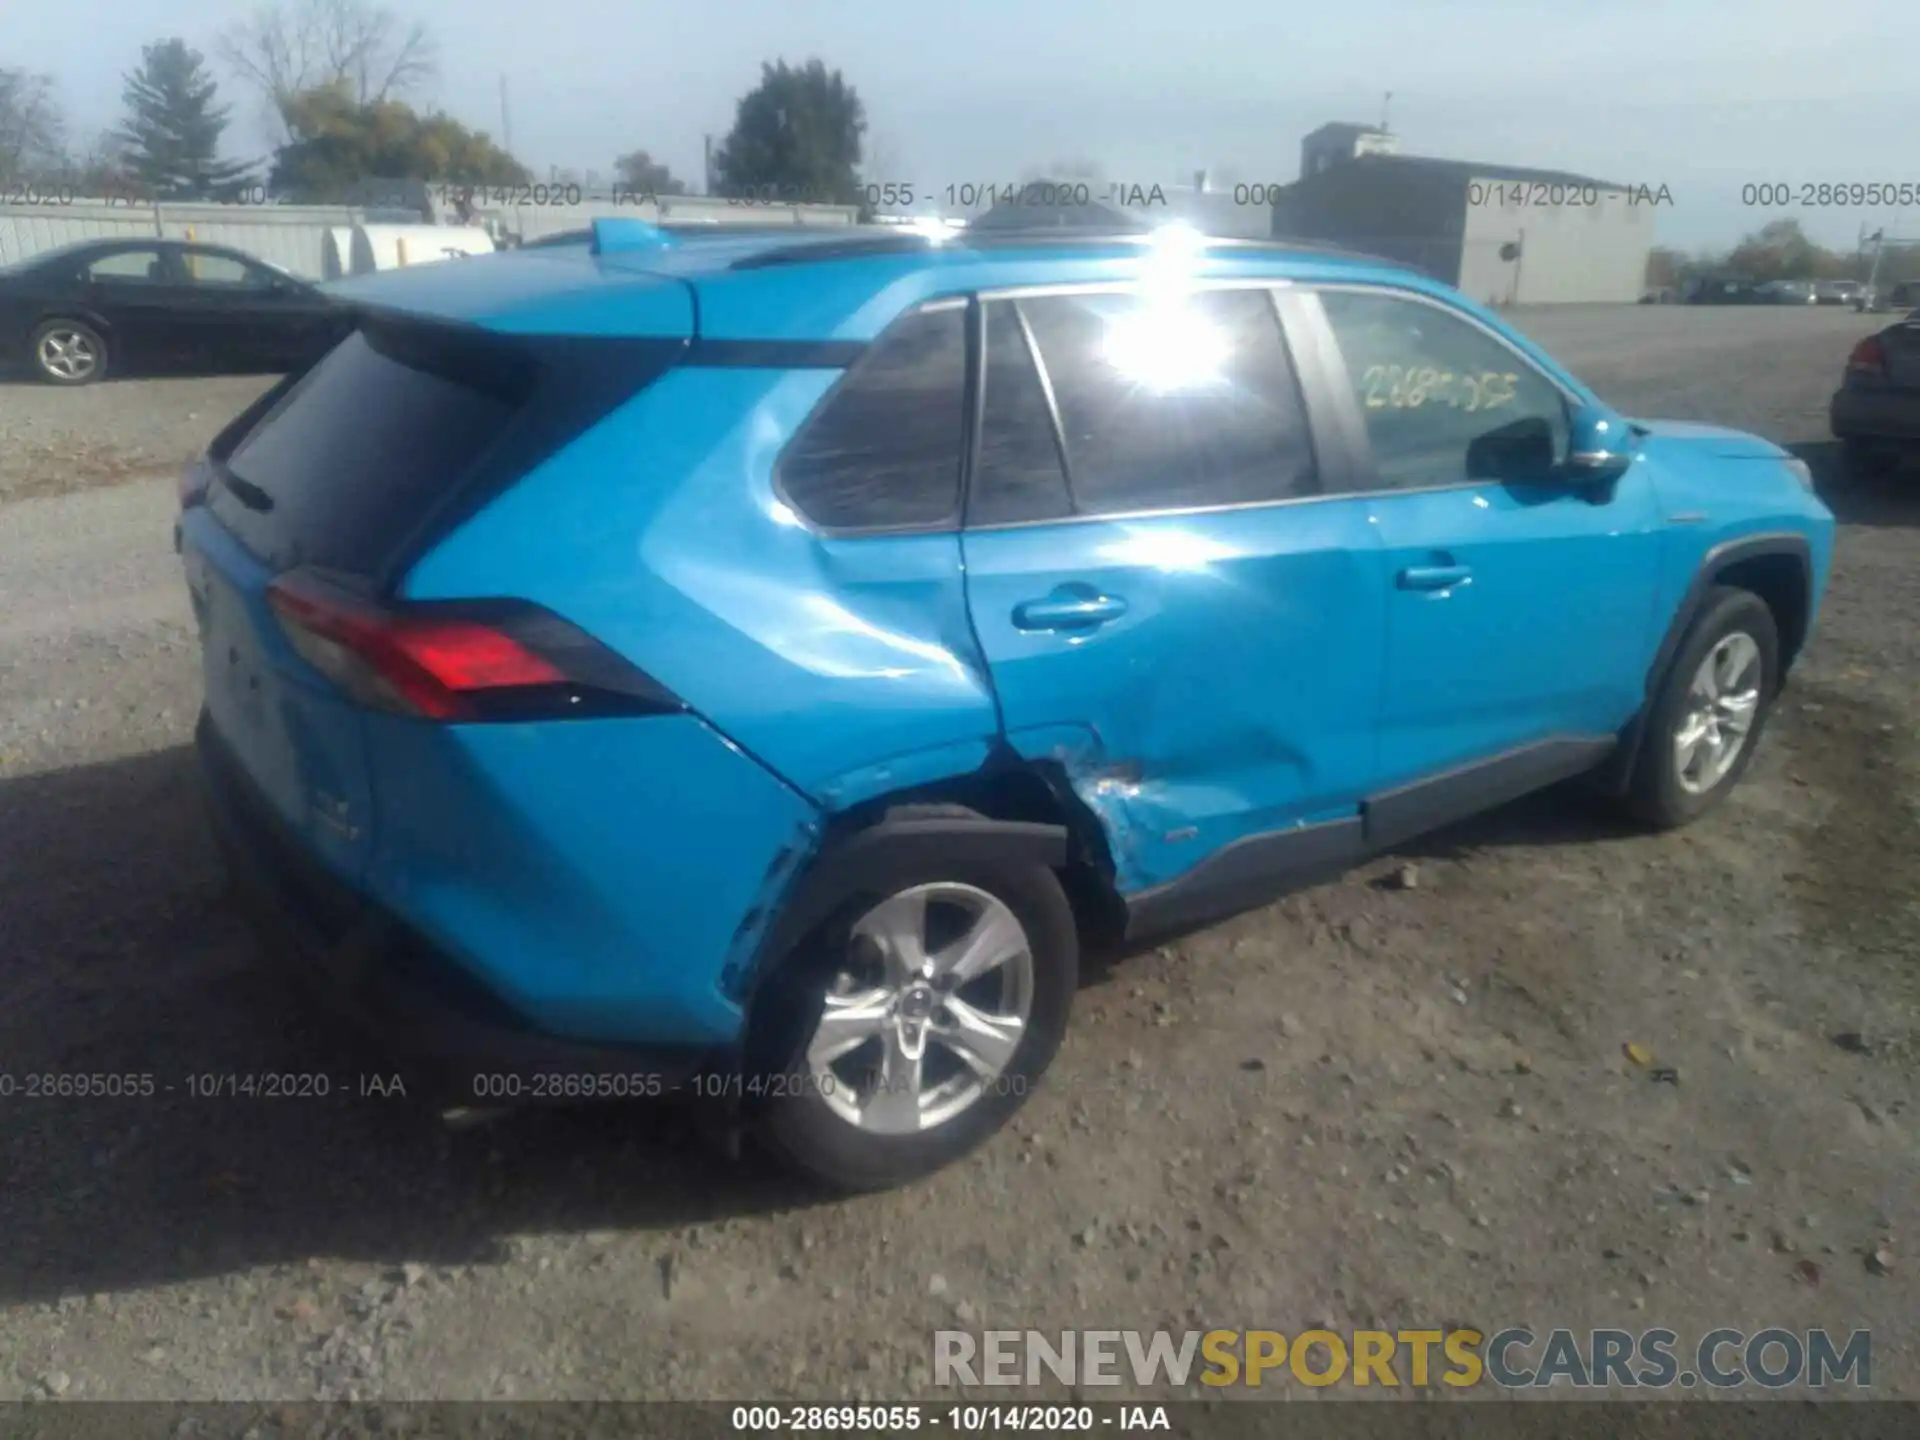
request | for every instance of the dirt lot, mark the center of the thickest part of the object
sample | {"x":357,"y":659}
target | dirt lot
{"x":56,"y":441}
{"x":1366,"y":1105}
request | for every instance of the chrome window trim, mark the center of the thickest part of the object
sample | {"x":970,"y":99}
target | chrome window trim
{"x":1132,"y":285}
{"x":1135,"y":515}
{"x":1045,"y":377}
{"x":1307,"y":290}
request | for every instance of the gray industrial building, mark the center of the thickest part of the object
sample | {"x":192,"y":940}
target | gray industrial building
{"x":1504,"y":234}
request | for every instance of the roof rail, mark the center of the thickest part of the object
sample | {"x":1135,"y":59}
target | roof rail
{"x":890,"y":241}
{"x":840,"y":246}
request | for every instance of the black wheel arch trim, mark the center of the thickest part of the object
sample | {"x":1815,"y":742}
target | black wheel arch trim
{"x":1614,"y":779}
{"x":1715,"y":563}
{"x":868,"y":860}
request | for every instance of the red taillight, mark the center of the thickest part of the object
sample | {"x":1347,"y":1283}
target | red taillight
{"x":444,"y":662}
{"x":1869,"y":358}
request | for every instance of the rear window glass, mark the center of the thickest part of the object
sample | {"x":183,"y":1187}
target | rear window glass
{"x":342,"y":470}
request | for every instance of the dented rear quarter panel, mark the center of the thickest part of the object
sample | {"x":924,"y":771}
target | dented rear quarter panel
{"x":845,"y":665}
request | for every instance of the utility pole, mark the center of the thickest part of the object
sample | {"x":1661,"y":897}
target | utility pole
{"x":506,"y":118}
{"x":1386,"y":104}
{"x":706,"y":172}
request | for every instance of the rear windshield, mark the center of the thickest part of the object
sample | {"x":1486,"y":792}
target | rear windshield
{"x":346,"y":467}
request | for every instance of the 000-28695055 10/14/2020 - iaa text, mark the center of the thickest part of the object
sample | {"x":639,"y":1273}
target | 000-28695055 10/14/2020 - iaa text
{"x":202,"y":1085}
{"x":642,"y":1085}
{"x":960,"y":1419}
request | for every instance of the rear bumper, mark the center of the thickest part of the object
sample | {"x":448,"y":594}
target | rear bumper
{"x":1875,"y":414}
{"x":456,"y":1041}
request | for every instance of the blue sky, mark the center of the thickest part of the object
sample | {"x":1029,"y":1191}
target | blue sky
{"x":1697,"y":95}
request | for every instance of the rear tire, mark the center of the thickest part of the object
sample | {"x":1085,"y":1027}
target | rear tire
{"x":934,"y":1062}
{"x":68,"y":352}
{"x":1706,"y":719}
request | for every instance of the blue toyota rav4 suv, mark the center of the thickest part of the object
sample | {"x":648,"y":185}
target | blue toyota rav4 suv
{"x":765,"y":663}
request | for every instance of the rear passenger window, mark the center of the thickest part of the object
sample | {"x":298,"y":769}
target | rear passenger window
{"x":883,"y":451}
{"x":1173,"y":403}
{"x":129,"y":267}
{"x":1017,"y":475}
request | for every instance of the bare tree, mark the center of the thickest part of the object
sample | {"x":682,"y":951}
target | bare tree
{"x":101,"y":168}
{"x":32,"y":131}
{"x":302,"y":45}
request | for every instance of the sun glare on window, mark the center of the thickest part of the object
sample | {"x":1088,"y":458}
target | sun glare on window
{"x":1166,"y":347}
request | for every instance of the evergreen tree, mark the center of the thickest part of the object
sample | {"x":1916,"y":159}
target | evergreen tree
{"x":796,"y":138}
{"x":173,"y":127}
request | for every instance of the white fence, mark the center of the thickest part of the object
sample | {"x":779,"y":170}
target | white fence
{"x":294,"y":236}
{"x":285,"y":235}
{"x":531,"y":222}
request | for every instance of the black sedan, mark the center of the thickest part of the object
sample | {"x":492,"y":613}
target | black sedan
{"x":144,"y":306}
{"x":1875,"y":414}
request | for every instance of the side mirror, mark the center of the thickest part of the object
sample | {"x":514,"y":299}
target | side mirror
{"x":1518,"y":453}
{"x":1599,"y":449}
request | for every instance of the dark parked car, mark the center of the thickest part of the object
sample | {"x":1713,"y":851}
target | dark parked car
{"x":1723,"y":291}
{"x":1876,"y":300}
{"x":1875,"y":414}
{"x":140,"y":306}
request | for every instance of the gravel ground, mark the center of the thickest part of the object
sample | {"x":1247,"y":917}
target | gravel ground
{"x":54,"y":441}
{"x":1370,"y":1104}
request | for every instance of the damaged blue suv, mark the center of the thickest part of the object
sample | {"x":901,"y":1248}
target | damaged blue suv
{"x":762,"y":665}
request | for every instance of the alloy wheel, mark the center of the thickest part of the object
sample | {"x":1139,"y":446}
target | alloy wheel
{"x":1722,"y":702}
{"x":68,"y":354}
{"x":928,"y":1009}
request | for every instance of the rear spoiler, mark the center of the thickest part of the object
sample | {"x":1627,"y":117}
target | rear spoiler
{"x":619,"y":235}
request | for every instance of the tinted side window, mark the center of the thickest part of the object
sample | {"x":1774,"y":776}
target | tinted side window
{"x":1017,"y":474}
{"x":1169,"y":404}
{"x":1444,"y":402}
{"x":884,"y":448}
{"x":134,"y":267}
